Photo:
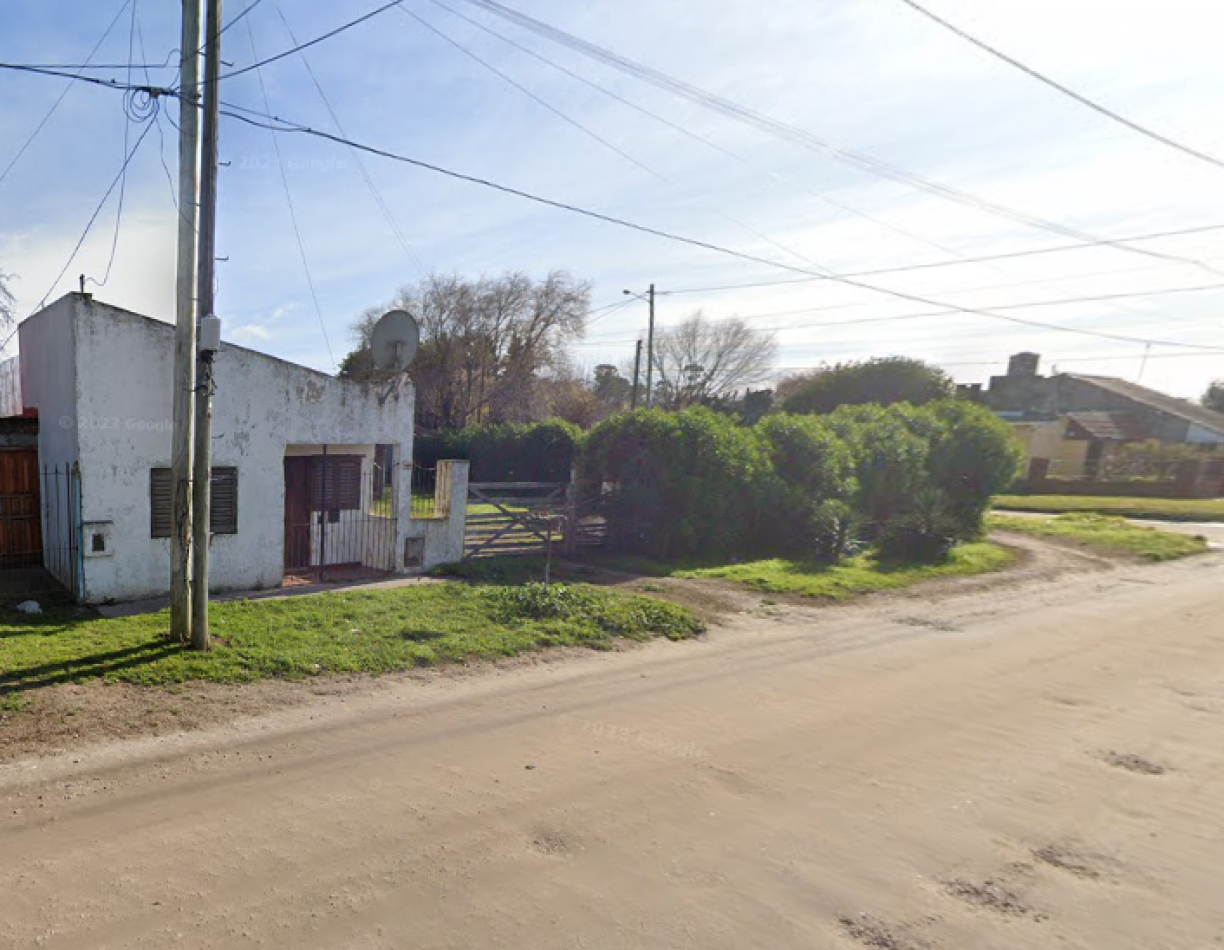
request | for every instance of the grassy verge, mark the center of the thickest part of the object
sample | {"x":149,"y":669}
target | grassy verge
{"x":858,"y":575}
{"x":359,"y":632}
{"x":1107,"y":535}
{"x":1158,"y":509}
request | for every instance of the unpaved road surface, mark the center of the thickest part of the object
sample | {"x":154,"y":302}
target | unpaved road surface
{"x":1037,"y":764}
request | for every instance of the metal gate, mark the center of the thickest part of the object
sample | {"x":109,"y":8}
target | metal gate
{"x":340,"y":522}
{"x":40,"y":526}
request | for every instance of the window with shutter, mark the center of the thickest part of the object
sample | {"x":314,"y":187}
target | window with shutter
{"x":223,"y":500}
{"x":161,"y":503}
{"x":335,"y":483}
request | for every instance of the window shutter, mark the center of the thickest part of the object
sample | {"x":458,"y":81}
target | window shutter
{"x":161,"y":503}
{"x":338,"y":486}
{"x":223,"y":501}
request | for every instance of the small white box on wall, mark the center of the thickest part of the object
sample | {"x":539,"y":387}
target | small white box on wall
{"x":98,"y":538}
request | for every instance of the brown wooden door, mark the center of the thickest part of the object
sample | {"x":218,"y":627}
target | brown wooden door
{"x":20,"y":513}
{"x":297,"y":512}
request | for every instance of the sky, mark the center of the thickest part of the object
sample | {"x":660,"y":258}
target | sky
{"x":870,"y":76}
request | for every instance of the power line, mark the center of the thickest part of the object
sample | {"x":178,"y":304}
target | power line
{"x":1066,"y":91}
{"x":798,"y":136}
{"x":93,"y":217}
{"x":284,"y":126}
{"x":658,"y":176}
{"x":247,"y":9}
{"x":55,"y":105}
{"x":289,"y":201}
{"x":127,"y":128}
{"x":279,"y":125}
{"x":1015,"y":306}
{"x":689,"y":133}
{"x":1078,"y":246}
{"x":309,"y":43}
{"x":392,"y":223}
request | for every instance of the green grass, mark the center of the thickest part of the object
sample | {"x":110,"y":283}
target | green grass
{"x":863,"y":574}
{"x":1107,"y":535}
{"x":1158,"y":509}
{"x":358,"y":632}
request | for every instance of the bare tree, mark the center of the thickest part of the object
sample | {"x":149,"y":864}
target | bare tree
{"x":700,"y":360}
{"x":485,"y":344}
{"x":6,"y":302}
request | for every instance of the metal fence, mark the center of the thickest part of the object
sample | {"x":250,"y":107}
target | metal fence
{"x":424,"y":501}
{"x":513,"y":518}
{"x":346,"y":531}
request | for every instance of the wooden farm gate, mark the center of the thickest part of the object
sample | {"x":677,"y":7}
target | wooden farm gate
{"x":513,"y":518}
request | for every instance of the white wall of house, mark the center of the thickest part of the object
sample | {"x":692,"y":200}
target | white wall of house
{"x":116,"y":366}
{"x":1200,"y":434}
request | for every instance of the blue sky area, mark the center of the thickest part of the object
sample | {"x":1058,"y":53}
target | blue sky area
{"x":870,"y":75}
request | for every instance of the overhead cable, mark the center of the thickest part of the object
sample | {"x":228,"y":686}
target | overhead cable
{"x":1065,"y":90}
{"x":791,"y":133}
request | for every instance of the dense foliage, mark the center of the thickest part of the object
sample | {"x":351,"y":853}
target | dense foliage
{"x":884,"y":382}
{"x":537,"y":452}
{"x":912,"y":481}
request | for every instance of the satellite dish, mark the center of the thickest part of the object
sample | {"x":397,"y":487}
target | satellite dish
{"x":394,"y":341}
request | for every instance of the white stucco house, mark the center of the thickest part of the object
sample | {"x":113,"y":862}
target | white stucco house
{"x":301,"y":472}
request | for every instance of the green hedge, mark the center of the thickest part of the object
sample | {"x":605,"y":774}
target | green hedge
{"x":538,"y":452}
{"x":911,"y":480}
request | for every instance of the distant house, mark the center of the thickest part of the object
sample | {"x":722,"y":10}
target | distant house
{"x":308,"y":470}
{"x":1070,"y":423}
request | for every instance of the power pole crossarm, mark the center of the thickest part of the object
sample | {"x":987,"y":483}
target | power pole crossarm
{"x":185,"y":324}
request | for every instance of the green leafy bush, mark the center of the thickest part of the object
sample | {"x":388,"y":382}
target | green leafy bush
{"x":681,"y":484}
{"x":536,"y":452}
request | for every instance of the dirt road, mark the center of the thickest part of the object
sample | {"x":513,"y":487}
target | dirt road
{"x":1025,"y":766}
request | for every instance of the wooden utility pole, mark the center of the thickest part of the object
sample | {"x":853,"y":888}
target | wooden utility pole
{"x":650,"y":350}
{"x":201,"y":533}
{"x":185,"y":323}
{"x":637,"y":375}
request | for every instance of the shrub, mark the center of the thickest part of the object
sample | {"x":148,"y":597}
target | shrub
{"x":683,"y":484}
{"x":535,"y":452}
{"x":974,"y":456}
{"x":890,"y":458}
{"x":810,"y":466}
{"x":833,"y":529}
{"x":925,"y":533}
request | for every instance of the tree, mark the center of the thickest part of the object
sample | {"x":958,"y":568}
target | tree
{"x":6,"y":301}
{"x":699,"y":361}
{"x":613,"y":391}
{"x":1213,"y":399}
{"x":486,"y":344}
{"x":881,"y":382}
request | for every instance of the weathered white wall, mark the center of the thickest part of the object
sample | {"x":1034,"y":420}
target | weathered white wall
{"x":123,"y":365}
{"x":439,"y":540}
{"x":49,"y":384}
{"x":49,"y":380}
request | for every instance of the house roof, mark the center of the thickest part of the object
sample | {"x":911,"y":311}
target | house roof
{"x":1180,"y":408}
{"x":1111,"y":426}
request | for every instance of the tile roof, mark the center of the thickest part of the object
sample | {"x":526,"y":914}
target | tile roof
{"x":1113,"y":426}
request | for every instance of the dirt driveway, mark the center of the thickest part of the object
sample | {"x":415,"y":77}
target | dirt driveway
{"x":1033,"y":765}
